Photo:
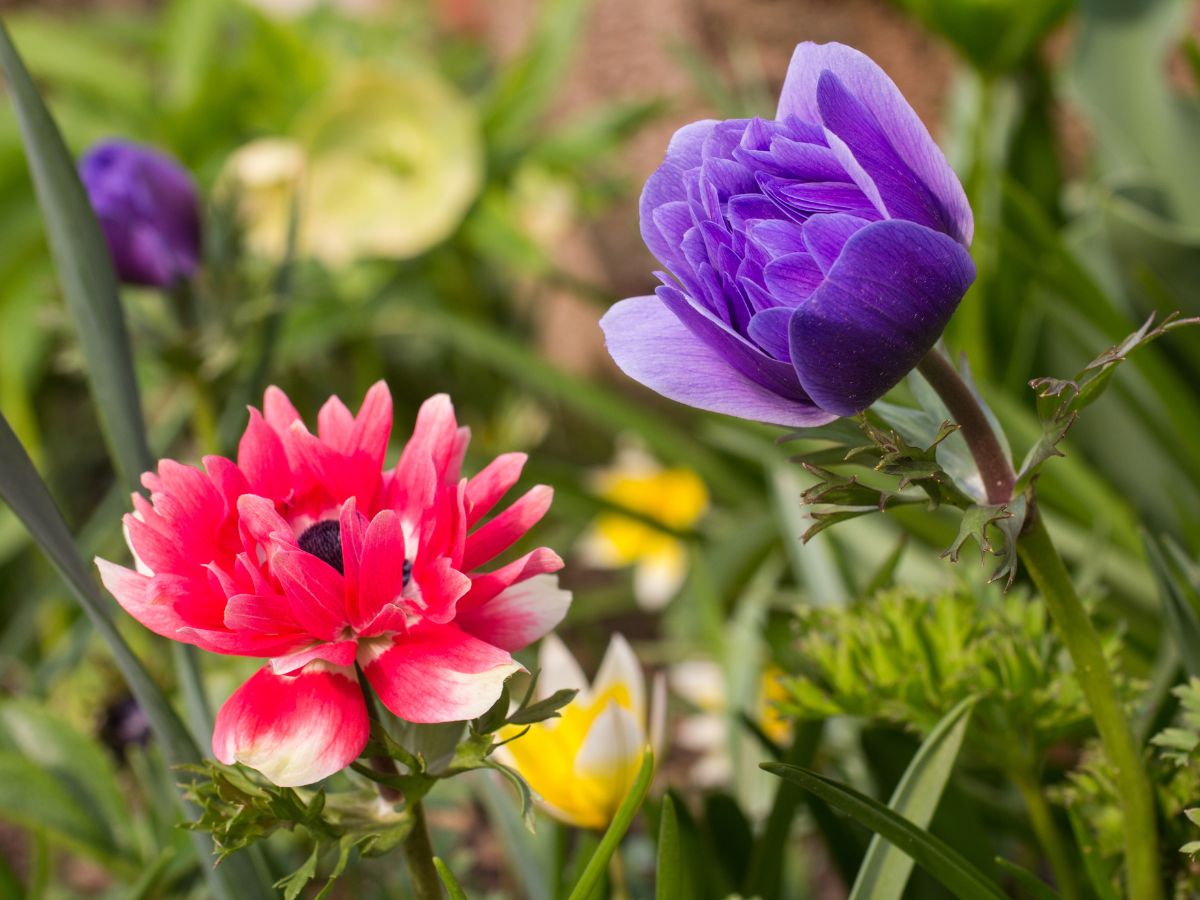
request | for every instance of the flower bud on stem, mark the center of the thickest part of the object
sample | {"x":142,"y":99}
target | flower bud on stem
{"x":1046,"y":568}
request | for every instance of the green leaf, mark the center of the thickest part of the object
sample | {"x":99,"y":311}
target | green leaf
{"x":523,"y":790}
{"x":452,"y":886}
{"x":596,"y":866}
{"x":885,"y":870}
{"x":1181,"y":603}
{"x":668,"y":884}
{"x":291,"y":885}
{"x":543,"y":709}
{"x":941,"y":861}
{"x":1030,"y":882}
{"x":85,"y":271}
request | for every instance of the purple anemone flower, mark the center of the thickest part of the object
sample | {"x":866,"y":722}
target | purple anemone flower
{"x":149,"y":210}
{"x":812,"y":260}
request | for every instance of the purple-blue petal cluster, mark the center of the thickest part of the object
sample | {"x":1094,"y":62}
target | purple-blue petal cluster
{"x":149,"y":210}
{"x":811,"y":260}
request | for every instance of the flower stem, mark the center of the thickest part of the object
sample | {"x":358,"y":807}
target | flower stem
{"x":1049,"y":836}
{"x":1091,"y":668}
{"x":994,"y":467}
{"x":1045,"y":566}
{"x":418,"y":851}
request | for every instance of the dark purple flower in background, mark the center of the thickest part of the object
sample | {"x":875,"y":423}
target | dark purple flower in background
{"x":149,"y":209}
{"x":812,"y":259}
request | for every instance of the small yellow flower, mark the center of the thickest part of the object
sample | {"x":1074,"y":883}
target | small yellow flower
{"x":581,"y":765}
{"x":676,"y":497}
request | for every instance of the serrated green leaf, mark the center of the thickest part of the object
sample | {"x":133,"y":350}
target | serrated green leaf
{"x":885,"y":870}
{"x":941,"y":861}
{"x":291,"y":885}
{"x":543,"y":709}
{"x":598,"y":863}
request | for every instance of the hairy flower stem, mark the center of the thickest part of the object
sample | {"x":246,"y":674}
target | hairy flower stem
{"x":1049,"y":836}
{"x":1134,"y":791}
{"x":418,"y":851}
{"x":994,"y":467}
{"x":1046,"y":568}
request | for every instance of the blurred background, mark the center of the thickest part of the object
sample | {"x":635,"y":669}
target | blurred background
{"x":444,"y":194}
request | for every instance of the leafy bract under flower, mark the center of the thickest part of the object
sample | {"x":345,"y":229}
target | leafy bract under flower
{"x":306,"y":551}
{"x":812,"y":259}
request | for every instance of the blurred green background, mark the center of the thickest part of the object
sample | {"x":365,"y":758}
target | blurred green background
{"x":474,"y":253}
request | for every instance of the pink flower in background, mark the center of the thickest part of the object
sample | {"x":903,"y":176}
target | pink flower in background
{"x":306,"y":551}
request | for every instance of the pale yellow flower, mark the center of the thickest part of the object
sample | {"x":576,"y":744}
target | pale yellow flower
{"x":676,"y":497}
{"x":385,"y":164}
{"x":582,"y":764}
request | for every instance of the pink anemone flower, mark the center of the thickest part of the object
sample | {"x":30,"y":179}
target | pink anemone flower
{"x":307,"y":552}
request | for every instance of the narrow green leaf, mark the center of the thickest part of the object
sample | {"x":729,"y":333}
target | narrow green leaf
{"x":453,"y":888}
{"x":1099,"y":872}
{"x":1180,"y":603}
{"x":1034,"y":885}
{"x":523,"y":790}
{"x":941,"y":861}
{"x":596,"y":866}
{"x":85,"y":271}
{"x":885,"y":870}
{"x":668,"y":884}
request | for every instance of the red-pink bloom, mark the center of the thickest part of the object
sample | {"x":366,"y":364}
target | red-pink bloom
{"x":308,"y":552}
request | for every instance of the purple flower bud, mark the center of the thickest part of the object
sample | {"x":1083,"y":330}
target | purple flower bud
{"x":149,"y":209}
{"x":812,"y":260}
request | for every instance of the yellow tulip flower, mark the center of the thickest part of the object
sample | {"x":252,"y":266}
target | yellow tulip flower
{"x":581,"y":765}
{"x":676,"y":497}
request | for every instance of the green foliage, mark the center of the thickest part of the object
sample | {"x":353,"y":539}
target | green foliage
{"x":910,"y":658}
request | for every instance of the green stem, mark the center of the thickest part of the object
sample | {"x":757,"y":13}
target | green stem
{"x":1049,"y":836}
{"x":1091,"y":668}
{"x":418,"y":852}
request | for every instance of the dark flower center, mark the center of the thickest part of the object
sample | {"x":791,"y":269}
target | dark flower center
{"x":324,"y":541}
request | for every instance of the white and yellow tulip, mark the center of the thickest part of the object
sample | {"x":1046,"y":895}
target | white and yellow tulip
{"x":581,"y":765}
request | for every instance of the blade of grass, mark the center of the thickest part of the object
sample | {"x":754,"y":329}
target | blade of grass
{"x":668,"y":884}
{"x":453,"y":888}
{"x":941,"y":861}
{"x":885,"y":870}
{"x":594,"y":870}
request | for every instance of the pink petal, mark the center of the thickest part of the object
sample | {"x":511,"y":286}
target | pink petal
{"x":130,"y":589}
{"x":294,"y":729}
{"x":278,"y":409}
{"x":334,"y":424}
{"x":507,"y":528}
{"x":373,"y":426}
{"x":339,"y":653}
{"x":437,"y":673}
{"x":439,"y":588}
{"x":260,"y":614}
{"x":434,"y":439}
{"x":263,"y":460}
{"x":520,"y":615}
{"x":487,"y":585}
{"x":158,"y":551}
{"x":228,"y":479}
{"x":240,"y":643}
{"x":315,"y":591}
{"x":353,"y":526}
{"x":493,"y":482}
{"x":381,"y":575}
{"x":261,"y":526}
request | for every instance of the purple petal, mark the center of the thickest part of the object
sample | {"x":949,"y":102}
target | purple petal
{"x":651,"y":346}
{"x":667,"y":185}
{"x":769,"y":329}
{"x":824,"y":236}
{"x":881,"y":308}
{"x":875,"y":91}
{"x":902,"y":192}
{"x":792,"y":278}
{"x":778,"y":237}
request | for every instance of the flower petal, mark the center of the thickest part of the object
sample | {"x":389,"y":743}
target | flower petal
{"x":486,"y":585}
{"x":882,"y":307}
{"x":314,"y":590}
{"x":520,"y":615}
{"x":878,"y":94}
{"x":263,"y":461}
{"x":294,"y":729}
{"x":667,"y":185}
{"x":651,"y":346}
{"x":132,"y":591}
{"x":493,"y":538}
{"x":381,"y":571}
{"x":493,"y":482}
{"x":437,"y":673}
{"x":620,"y":666}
